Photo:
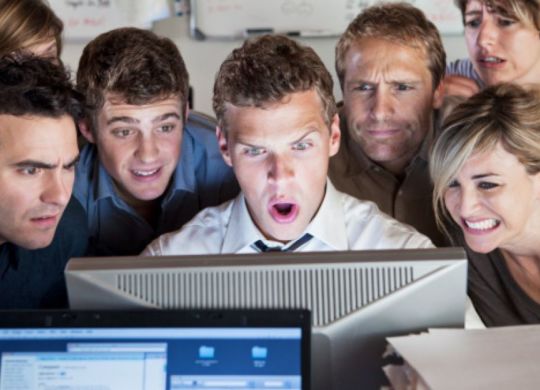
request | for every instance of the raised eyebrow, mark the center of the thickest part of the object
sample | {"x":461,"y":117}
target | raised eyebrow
{"x":245,"y":143}
{"x":483,"y":176}
{"x":166,"y":116}
{"x":308,"y":132}
{"x":124,"y":119}
{"x":473,"y":13}
{"x":34,"y":164}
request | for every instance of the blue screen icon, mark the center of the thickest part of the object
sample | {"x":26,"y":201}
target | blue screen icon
{"x":206,"y":352}
{"x":259,"y":352}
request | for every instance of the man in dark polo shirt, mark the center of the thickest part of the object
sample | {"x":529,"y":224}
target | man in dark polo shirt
{"x":40,"y":229}
{"x":390,"y":62}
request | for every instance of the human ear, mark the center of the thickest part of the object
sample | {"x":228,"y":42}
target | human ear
{"x":223,"y":145}
{"x":438,"y":95}
{"x":186,"y":115}
{"x":335,"y":135}
{"x":86,"y":131}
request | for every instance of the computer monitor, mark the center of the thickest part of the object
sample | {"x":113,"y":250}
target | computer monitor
{"x":356,"y":298}
{"x":155,"y":350}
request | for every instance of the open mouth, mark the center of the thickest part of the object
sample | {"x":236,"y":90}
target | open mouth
{"x":143,"y":174}
{"x":284,"y":212}
{"x":482,"y":226}
{"x":491,"y":60}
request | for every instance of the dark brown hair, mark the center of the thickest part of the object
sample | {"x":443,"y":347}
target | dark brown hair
{"x":135,"y":65}
{"x":34,"y":86}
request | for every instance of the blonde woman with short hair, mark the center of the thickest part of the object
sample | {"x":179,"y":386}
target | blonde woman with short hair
{"x":485,"y":167}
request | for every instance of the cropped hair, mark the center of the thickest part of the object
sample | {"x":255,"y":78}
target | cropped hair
{"x":526,"y":11}
{"x":504,"y":114}
{"x":24,"y":23}
{"x":136,"y":66}
{"x":34,"y":86}
{"x":401,"y":23}
{"x":264,"y":70}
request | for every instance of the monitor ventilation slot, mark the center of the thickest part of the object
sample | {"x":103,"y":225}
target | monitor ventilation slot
{"x":329,"y":293}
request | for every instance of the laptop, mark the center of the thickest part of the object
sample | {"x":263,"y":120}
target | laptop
{"x":155,"y":349}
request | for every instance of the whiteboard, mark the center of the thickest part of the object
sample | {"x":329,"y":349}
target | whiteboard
{"x":85,"y":19}
{"x":240,"y":18}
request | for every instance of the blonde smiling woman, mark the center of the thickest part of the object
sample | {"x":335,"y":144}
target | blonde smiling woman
{"x":485,"y":167}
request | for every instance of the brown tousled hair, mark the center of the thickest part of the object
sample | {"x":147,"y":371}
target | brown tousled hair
{"x":135,"y":65}
{"x":267,"y":68}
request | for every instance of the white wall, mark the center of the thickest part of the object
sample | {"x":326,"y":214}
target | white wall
{"x":203,"y":58}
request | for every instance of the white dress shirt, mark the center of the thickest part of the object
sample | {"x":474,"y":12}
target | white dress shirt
{"x":342,"y":223}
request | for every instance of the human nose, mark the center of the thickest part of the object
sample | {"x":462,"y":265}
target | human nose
{"x":280,"y":169}
{"x":468,"y":202}
{"x":382,"y":106}
{"x":57,"y":188}
{"x":147,"y":148}
{"x":487,"y":34}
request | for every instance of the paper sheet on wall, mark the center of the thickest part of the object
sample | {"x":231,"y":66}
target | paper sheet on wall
{"x":237,"y":18}
{"x":85,"y":19}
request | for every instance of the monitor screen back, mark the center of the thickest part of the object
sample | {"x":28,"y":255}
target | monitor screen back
{"x":356,"y":298}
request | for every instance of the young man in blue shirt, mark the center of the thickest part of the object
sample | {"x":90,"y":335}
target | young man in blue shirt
{"x":149,"y":167}
{"x":40,"y":228}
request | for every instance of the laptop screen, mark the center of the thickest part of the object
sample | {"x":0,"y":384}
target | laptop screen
{"x":208,"y":350}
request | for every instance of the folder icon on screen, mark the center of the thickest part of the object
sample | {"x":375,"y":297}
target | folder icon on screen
{"x":206,"y":352}
{"x":259,"y":352}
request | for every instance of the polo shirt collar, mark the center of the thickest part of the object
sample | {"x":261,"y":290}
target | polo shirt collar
{"x":104,"y":184}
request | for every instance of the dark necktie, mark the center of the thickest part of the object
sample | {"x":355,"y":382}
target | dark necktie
{"x":262,"y":247}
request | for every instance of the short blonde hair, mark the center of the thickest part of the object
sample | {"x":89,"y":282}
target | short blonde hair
{"x":395,"y":22}
{"x":24,"y":23}
{"x":507,"y":114}
{"x":526,"y":11}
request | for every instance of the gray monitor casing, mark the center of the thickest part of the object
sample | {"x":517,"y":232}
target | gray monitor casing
{"x":356,"y":298}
